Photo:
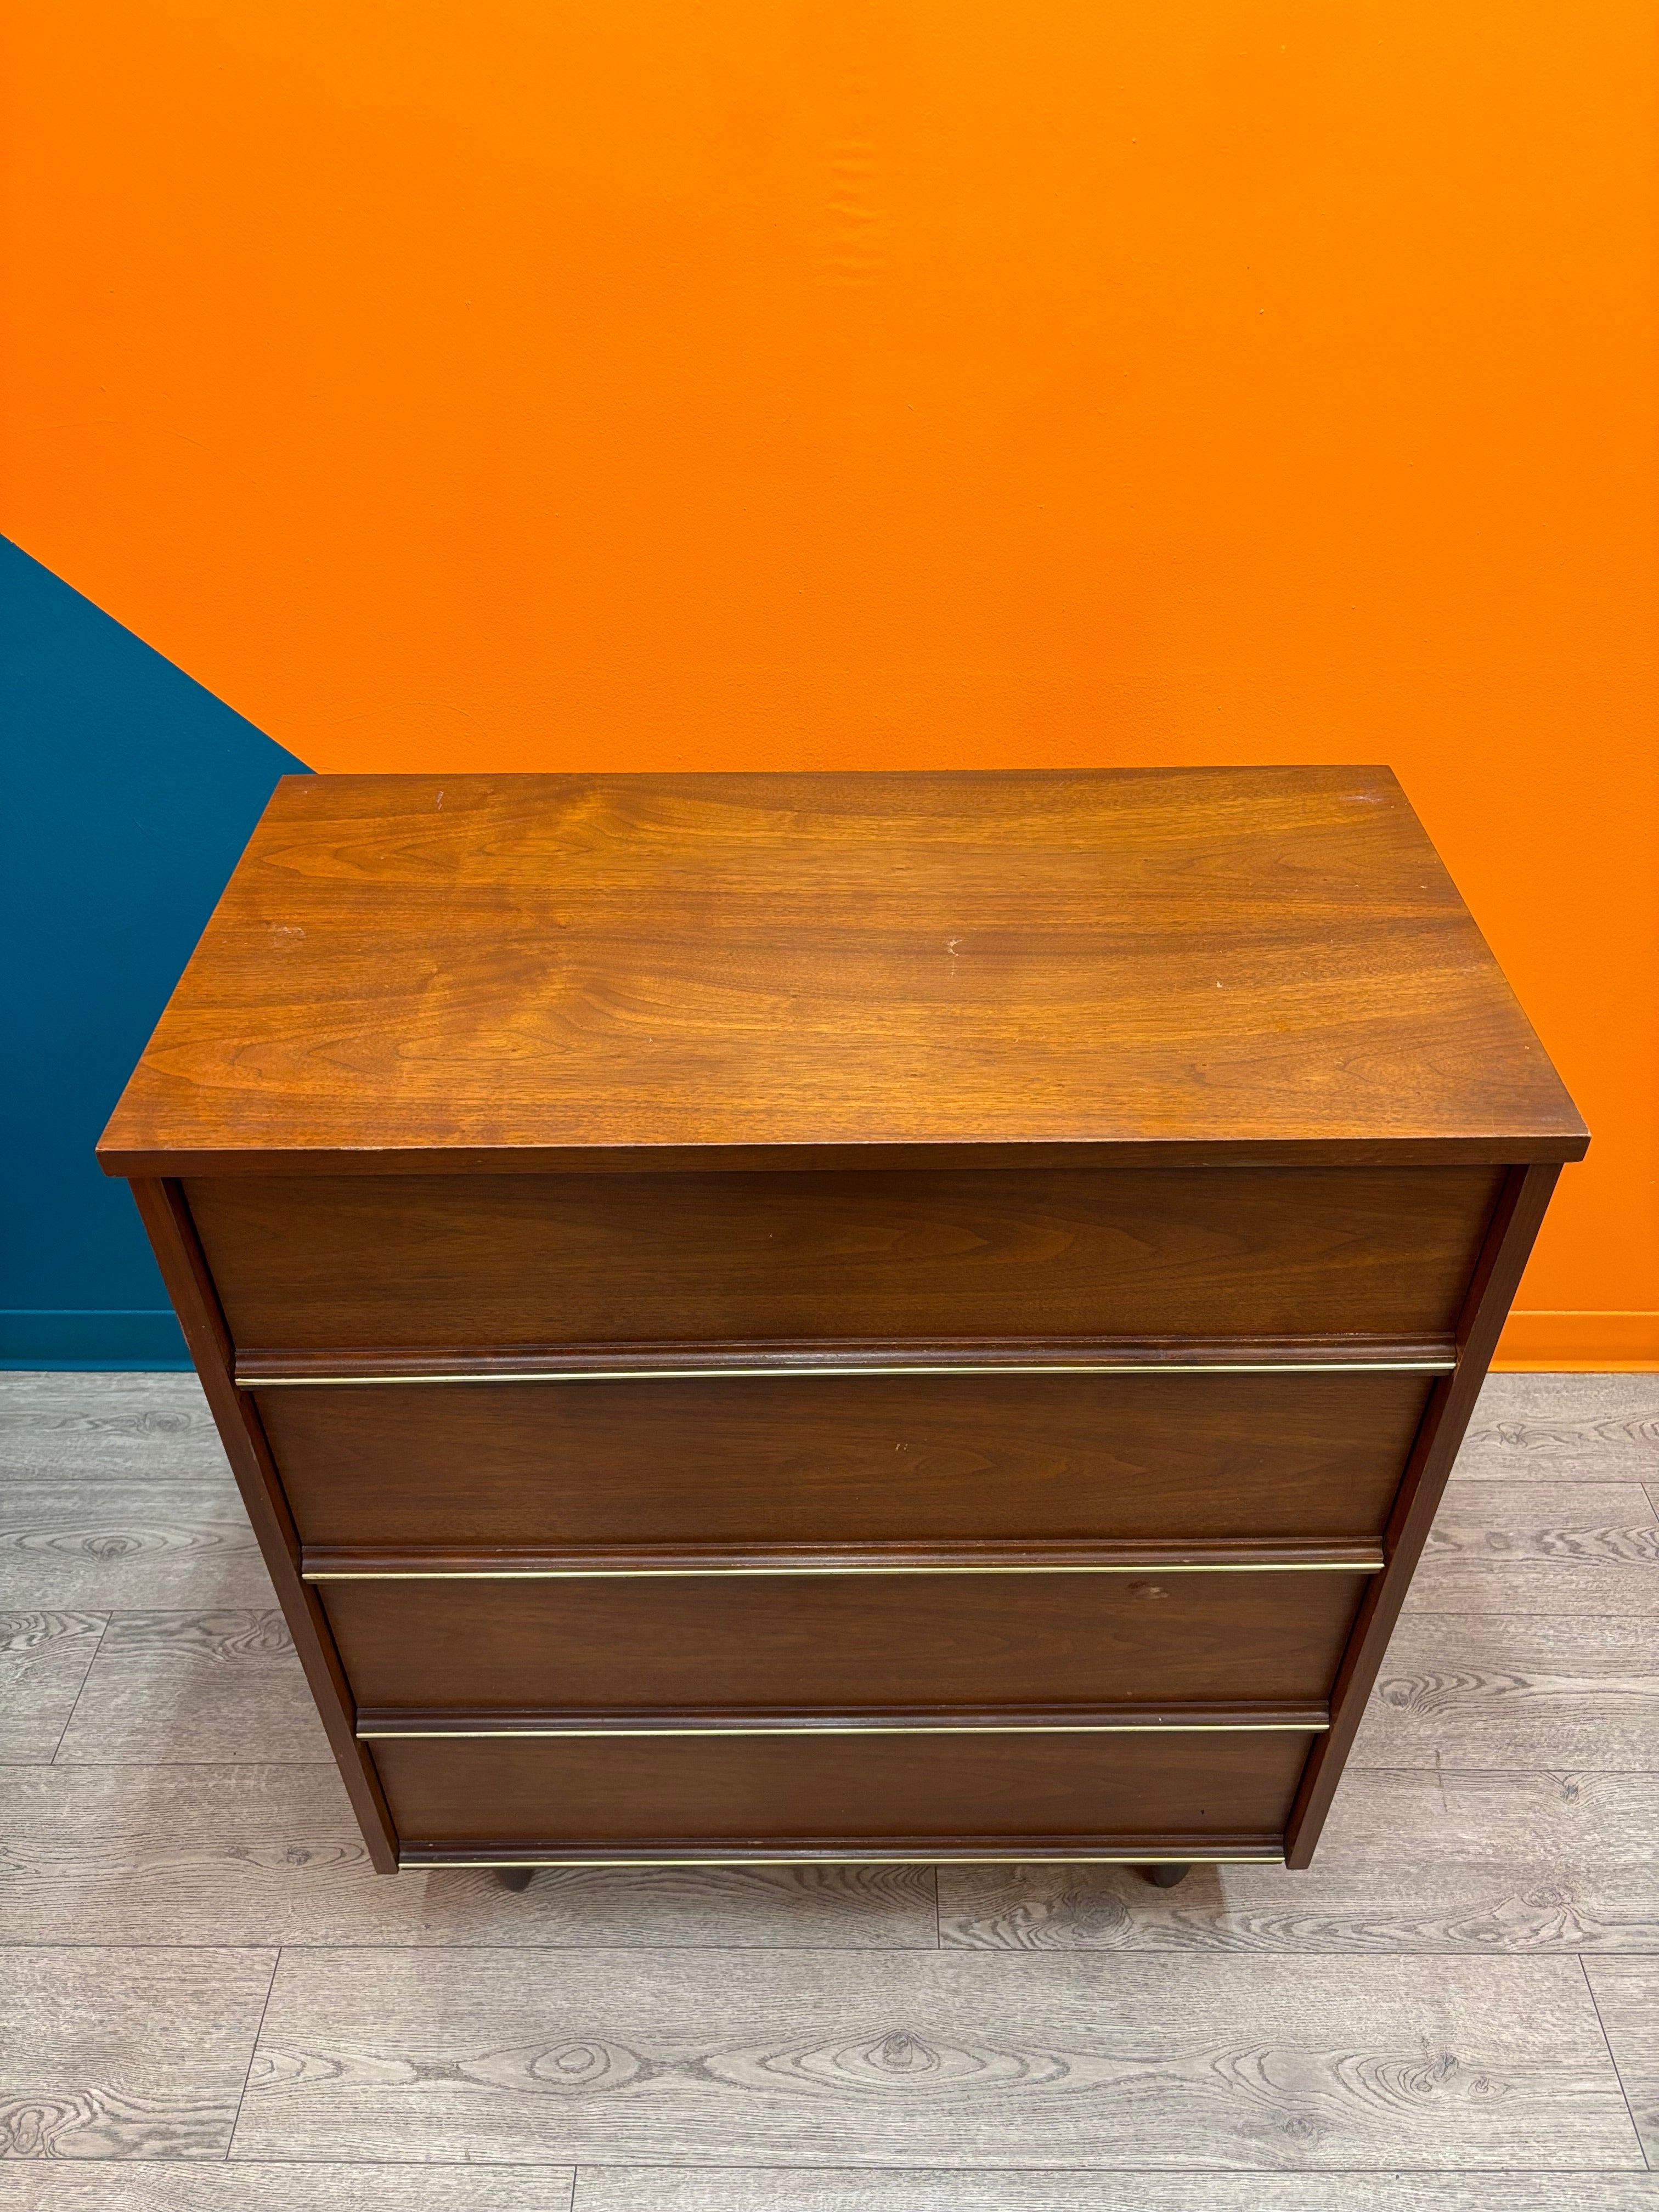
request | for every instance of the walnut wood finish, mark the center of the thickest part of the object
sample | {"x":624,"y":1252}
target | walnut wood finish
{"x":848,"y":1460}
{"x":526,"y":965}
{"x":729,"y":1253}
{"x":495,"y":1260}
{"x":750,"y":1642}
{"x":1515,"y":1226}
{"x":1185,"y":1796}
{"x":172,"y":1236}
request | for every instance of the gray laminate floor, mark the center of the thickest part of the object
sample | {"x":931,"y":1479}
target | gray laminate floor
{"x":208,"y":2002}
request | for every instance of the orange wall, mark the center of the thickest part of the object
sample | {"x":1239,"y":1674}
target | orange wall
{"x":913,"y":382}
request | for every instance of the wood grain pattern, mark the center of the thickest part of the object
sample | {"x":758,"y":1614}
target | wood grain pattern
{"x":184,"y":1270}
{"x":838,"y":1461}
{"x":138,"y":2054}
{"x":753,"y":1642}
{"x":833,"y":1796}
{"x":915,"y":2060}
{"x":1564,"y":1428}
{"x":499,"y":1261}
{"x":869,"y":2188}
{"x":1198,"y":1058}
{"x":271,"y":1854}
{"x":303,"y":2186}
{"x":613,"y":962}
{"x":44,"y":1659}
{"x":1451,"y":1861}
{"x":1469,"y":1865}
{"x":1500,"y":1690}
{"x":1626,"y":1993}
{"x":97,"y":1546}
{"x":183,"y":1686}
{"x":114,"y":1427}
{"x":1509,"y":1241}
{"x":1545,"y":1548}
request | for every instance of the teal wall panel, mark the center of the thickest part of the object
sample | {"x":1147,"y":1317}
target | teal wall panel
{"x":128,"y":793}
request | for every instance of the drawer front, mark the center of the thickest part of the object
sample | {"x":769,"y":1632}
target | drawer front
{"x":788,"y":1643}
{"x":741,"y":1793}
{"x":514,"y":1260}
{"x":830,"y":1460}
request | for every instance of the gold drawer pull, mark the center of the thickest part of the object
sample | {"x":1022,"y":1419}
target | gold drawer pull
{"x":856,"y":1360}
{"x":347,"y":1563}
{"x":395,"y":1724}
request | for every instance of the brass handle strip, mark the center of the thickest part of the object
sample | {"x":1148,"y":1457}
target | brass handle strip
{"x":384,"y":1725}
{"x":1435,"y":1366}
{"x":822,"y":1359}
{"x":416,"y":1855}
{"x":418,"y":1858}
{"x":862,"y":1727}
{"x":419,"y":1563}
{"x":1371,"y":1566}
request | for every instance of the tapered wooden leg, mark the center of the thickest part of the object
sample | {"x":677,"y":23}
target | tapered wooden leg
{"x":515,"y":1877}
{"x":1166,"y":1877}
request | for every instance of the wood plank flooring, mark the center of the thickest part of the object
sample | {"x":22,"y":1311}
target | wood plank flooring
{"x":139,"y":2053}
{"x":116,"y":1544}
{"x":1626,"y":1994}
{"x":208,"y":2001}
{"x":44,"y":1659}
{"x":742,"y":2058}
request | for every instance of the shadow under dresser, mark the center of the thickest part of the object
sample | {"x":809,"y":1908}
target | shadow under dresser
{"x":784,"y":1317}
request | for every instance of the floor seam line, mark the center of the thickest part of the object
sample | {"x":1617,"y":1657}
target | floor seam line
{"x":81,"y":1693}
{"x":1590,"y":1989}
{"x":253,"y":2053}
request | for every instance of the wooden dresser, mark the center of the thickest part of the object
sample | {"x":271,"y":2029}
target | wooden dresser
{"x":843,"y":1317}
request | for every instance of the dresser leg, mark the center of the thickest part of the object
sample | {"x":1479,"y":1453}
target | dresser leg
{"x":1167,"y":1876}
{"x":515,"y":1877}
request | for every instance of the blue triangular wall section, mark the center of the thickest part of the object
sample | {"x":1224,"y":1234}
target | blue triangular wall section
{"x":129,"y":792}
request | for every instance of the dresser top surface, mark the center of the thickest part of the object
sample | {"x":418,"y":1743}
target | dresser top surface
{"x":493,"y":968}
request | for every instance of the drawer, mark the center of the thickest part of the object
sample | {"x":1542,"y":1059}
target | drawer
{"x":946,"y":1794}
{"x":747,"y":1644}
{"x":844,"y":1459}
{"x":446,"y":1262}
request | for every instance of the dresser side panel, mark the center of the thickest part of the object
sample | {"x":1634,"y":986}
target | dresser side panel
{"x":1514,"y":1228}
{"x":166,"y":1219}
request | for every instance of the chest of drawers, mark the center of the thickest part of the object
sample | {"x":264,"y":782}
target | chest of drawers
{"x":843,"y":1317}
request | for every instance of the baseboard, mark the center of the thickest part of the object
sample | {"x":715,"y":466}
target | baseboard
{"x":45,"y":1338}
{"x":1581,"y":1343}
